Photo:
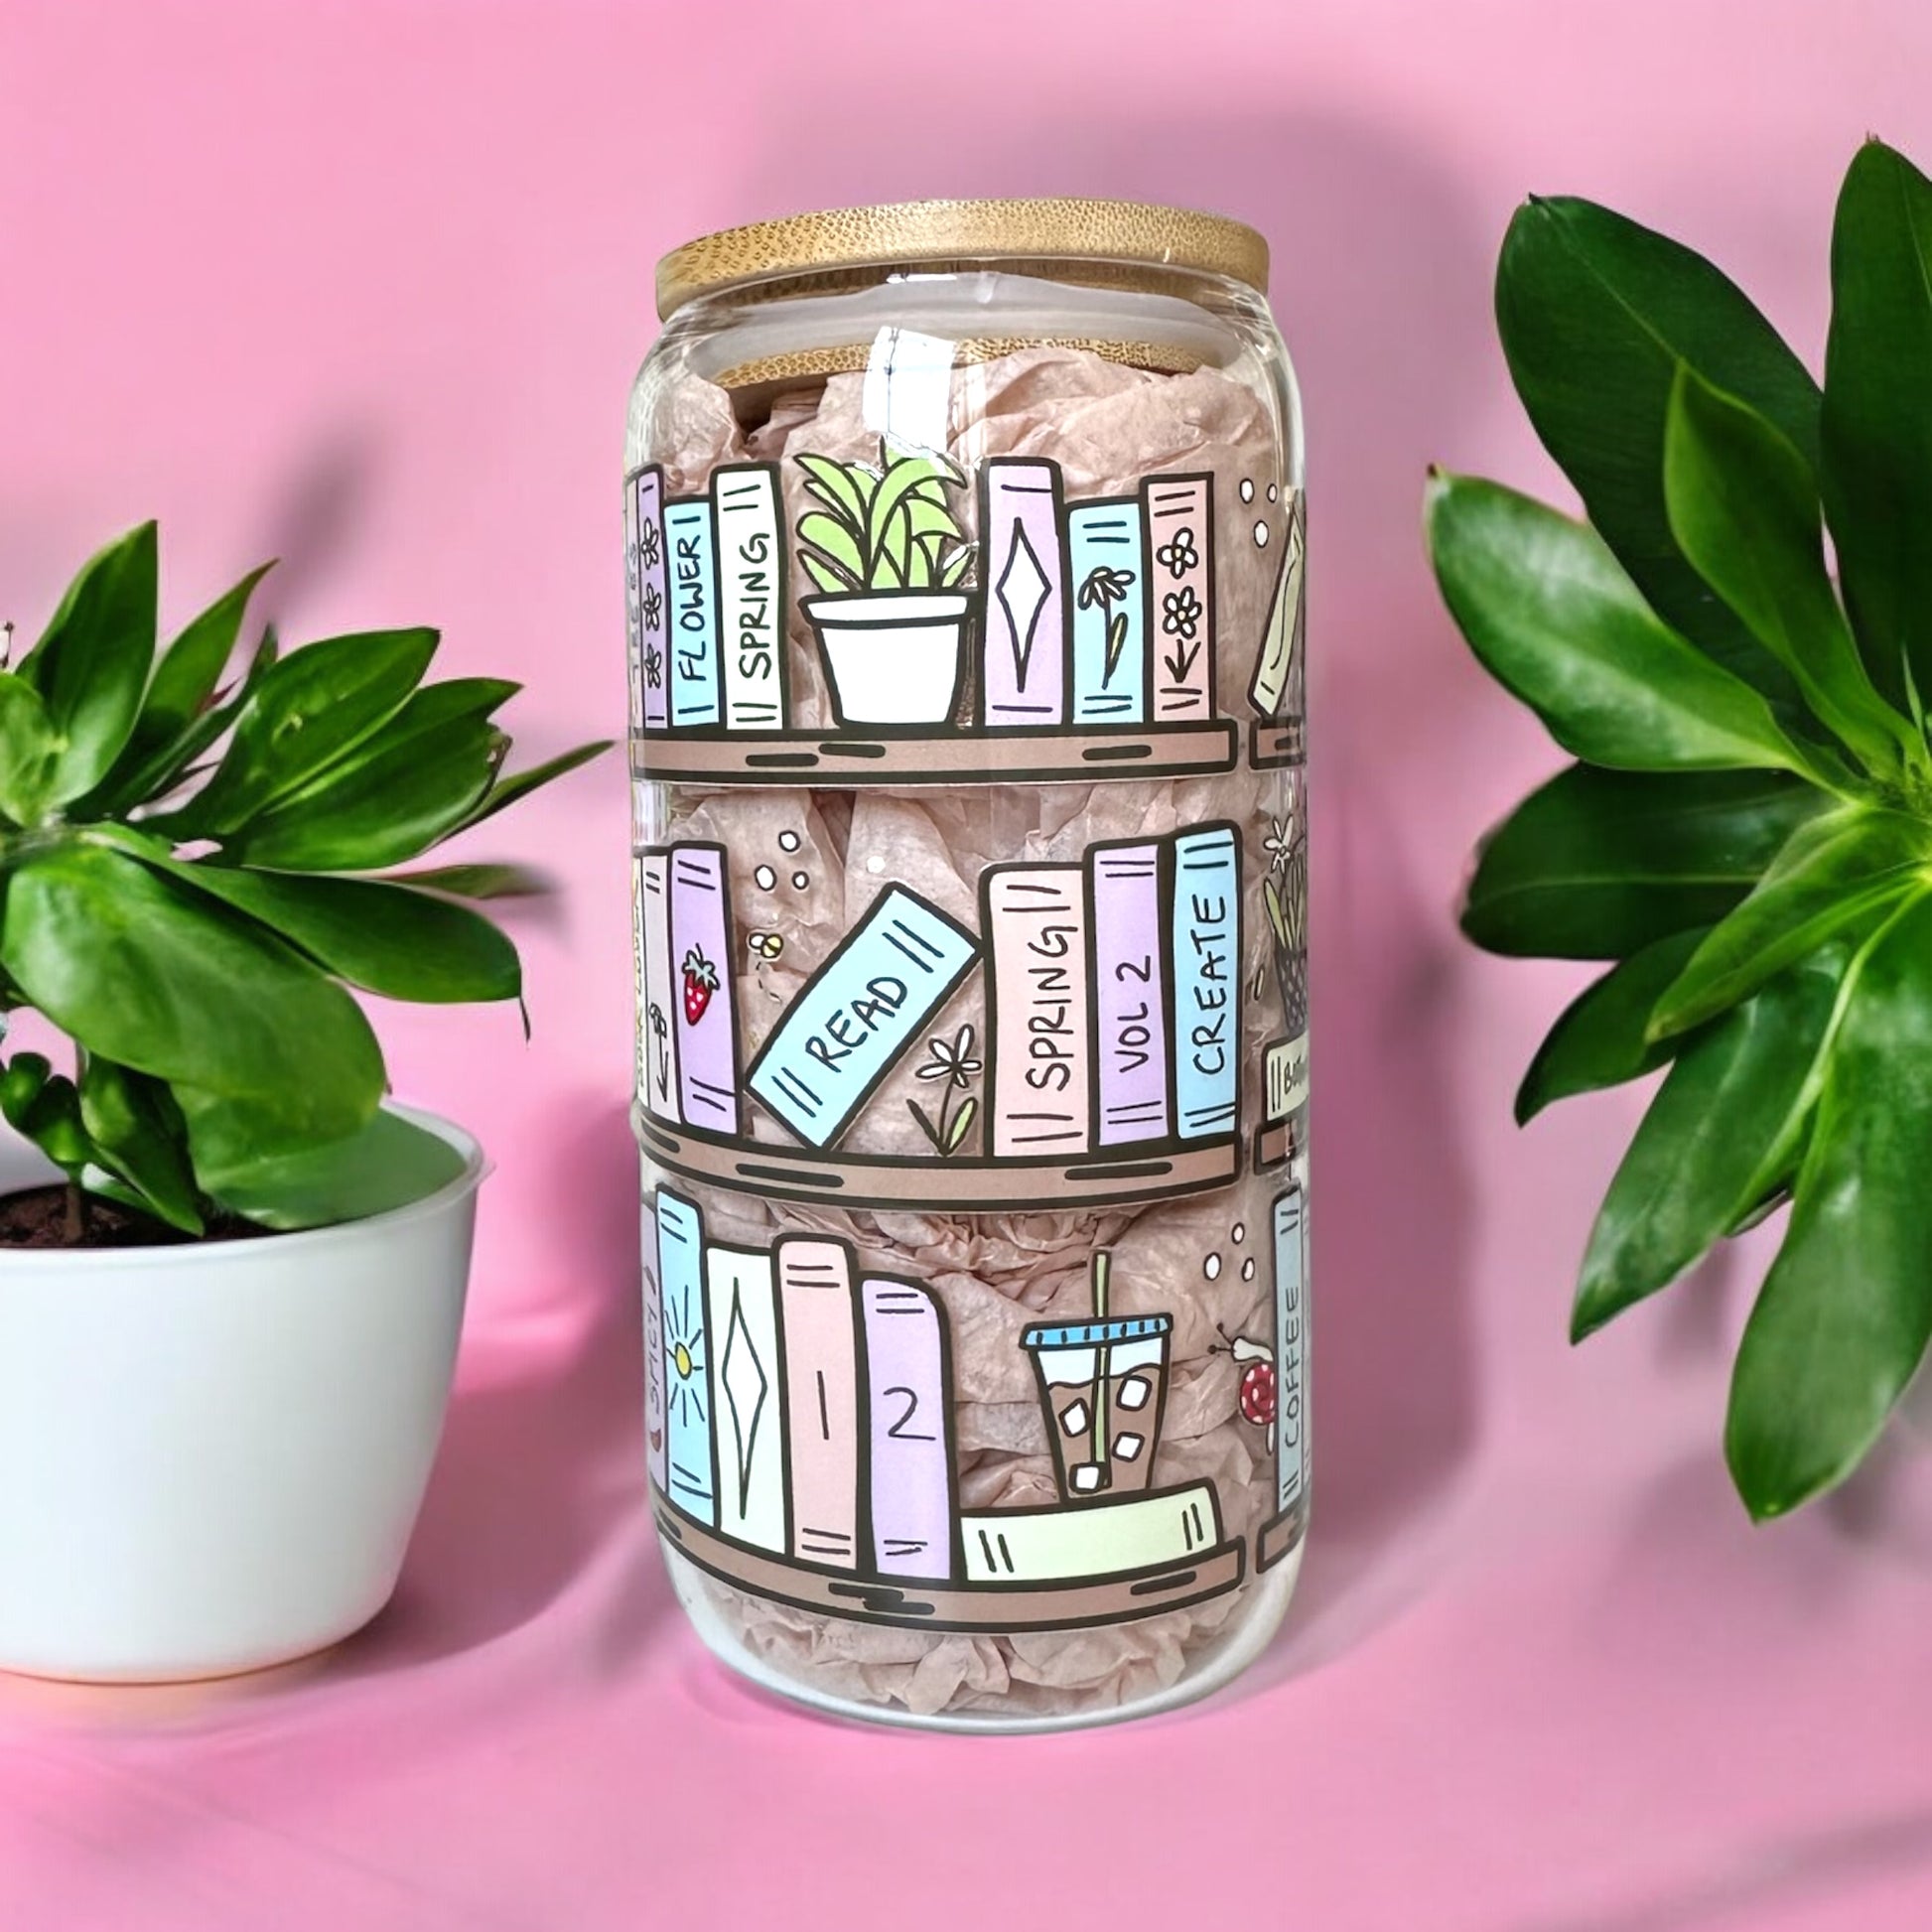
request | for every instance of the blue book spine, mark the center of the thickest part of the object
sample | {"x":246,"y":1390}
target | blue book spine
{"x":696,"y":686}
{"x":690,"y":1455}
{"x":1206,"y":944}
{"x":1109,"y":561}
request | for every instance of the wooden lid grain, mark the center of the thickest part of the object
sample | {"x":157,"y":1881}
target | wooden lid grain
{"x":944,"y":231}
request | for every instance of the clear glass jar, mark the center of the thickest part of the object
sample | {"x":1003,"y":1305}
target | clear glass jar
{"x":965,"y":558}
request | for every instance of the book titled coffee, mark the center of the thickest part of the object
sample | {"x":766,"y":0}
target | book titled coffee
{"x":1291,"y":1348}
{"x":1037,"y":1008}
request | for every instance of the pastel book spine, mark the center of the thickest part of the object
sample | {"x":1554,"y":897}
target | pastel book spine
{"x":908,"y":1401}
{"x":654,"y":601}
{"x":1291,"y":1348}
{"x":1109,"y":568}
{"x":657,"y":1017}
{"x":690,"y":1457}
{"x":1206,"y":947}
{"x":1180,"y":595}
{"x":632,"y":605}
{"x":640,"y":1000}
{"x":654,"y":1345}
{"x":1038,"y":1009}
{"x":862,"y":1009}
{"x":1127,"y":955}
{"x":700,"y":989}
{"x":1100,"y":1539}
{"x":1024,"y":677}
{"x":751,"y":596}
{"x":747,"y":1395}
{"x":822,"y":1389}
{"x":694,"y":669}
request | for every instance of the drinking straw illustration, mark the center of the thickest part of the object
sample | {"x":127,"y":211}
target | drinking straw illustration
{"x":1103,"y":1262}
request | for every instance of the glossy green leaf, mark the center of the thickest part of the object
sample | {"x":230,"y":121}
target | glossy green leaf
{"x":1602,"y":1038}
{"x":1595,"y":314}
{"x":1717,"y":1132}
{"x":139,"y":970}
{"x":1844,"y":1312}
{"x":477,"y":881}
{"x":512,"y":785}
{"x":1878,"y":418}
{"x":92,"y":663}
{"x":42,"y":1107}
{"x":139,"y":1134}
{"x":191,"y":667}
{"x":310,"y":708}
{"x":1599,"y":864}
{"x":1838,"y":870}
{"x":1553,"y":616}
{"x":389,"y":1164}
{"x":1743,"y":507}
{"x":28,"y":751}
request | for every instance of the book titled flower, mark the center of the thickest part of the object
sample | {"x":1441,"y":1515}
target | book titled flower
{"x":653,"y":599}
{"x":1037,"y":1011}
{"x":1206,"y":947}
{"x":1023,"y":673}
{"x":1180,"y":594}
{"x":694,"y":668}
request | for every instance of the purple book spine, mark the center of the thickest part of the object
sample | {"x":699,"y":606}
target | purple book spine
{"x":908,"y":1401}
{"x":701,"y":987}
{"x":654,"y":601}
{"x":1023,"y":591}
{"x":1130,"y":995}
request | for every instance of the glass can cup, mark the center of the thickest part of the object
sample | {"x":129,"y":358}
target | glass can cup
{"x":964,"y":551}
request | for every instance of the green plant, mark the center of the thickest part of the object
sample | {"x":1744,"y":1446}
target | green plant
{"x":194,"y":876}
{"x":1747,"y":830}
{"x":883,"y":529}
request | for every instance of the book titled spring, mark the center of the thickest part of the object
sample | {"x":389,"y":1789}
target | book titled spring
{"x":632,"y":605}
{"x":654,"y":601}
{"x":751,"y":595}
{"x":1180,"y":594}
{"x":822,"y":1396}
{"x":696,"y":683}
{"x":1291,"y":1348}
{"x":1024,"y":676}
{"x":656,"y":1030}
{"x":747,"y":1397}
{"x":1108,"y":570}
{"x":1207,"y":950}
{"x":700,"y":989}
{"x":690,"y":1465}
{"x":1061,"y":1545}
{"x":654,"y":1345}
{"x":1127,"y":958}
{"x":858,"y":1013}
{"x":1037,"y":1007}
{"x":908,"y":1398}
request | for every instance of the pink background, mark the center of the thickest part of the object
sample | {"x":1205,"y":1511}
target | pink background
{"x":364,"y":286}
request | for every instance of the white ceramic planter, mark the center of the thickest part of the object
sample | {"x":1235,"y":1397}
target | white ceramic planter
{"x":894,"y":657}
{"x":211,"y":1456}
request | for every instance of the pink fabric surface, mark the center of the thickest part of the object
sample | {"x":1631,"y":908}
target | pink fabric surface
{"x":364,"y":286}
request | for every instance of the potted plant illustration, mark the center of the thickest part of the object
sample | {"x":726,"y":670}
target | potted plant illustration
{"x":1745,"y":836}
{"x":231,"y":1274}
{"x":888,"y":555}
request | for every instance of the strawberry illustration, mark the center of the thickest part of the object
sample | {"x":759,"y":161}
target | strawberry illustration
{"x":700,"y":983}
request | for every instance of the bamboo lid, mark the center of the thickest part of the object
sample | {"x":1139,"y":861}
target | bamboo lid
{"x":1131,"y":232}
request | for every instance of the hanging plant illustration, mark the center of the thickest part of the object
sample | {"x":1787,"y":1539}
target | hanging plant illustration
{"x":951,"y":1062}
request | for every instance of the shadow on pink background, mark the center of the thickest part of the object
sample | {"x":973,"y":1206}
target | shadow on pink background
{"x":365,"y":287}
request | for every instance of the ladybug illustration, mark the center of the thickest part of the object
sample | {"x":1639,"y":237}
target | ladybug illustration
{"x":700,"y":983}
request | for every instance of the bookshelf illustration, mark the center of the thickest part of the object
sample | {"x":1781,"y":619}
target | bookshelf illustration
{"x":1083,"y":646}
{"x":1109,"y":1069}
{"x":804,"y":1448}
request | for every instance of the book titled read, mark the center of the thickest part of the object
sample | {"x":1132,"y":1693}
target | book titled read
{"x":1037,"y":1007}
{"x":1127,"y":957}
{"x":751,"y":595}
{"x":654,"y":601}
{"x":823,"y":1386}
{"x":747,"y":1394}
{"x":656,"y":1012}
{"x":1108,"y":561}
{"x":702,"y":988}
{"x":690,"y":1465}
{"x":1207,"y":948}
{"x":695,"y":680}
{"x":909,"y":1397}
{"x":1024,"y":677}
{"x":1180,"y":513}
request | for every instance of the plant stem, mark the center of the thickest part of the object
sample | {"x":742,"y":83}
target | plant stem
{"x":75,"y":1234}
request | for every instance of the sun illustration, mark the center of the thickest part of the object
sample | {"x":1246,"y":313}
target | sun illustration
{"x":684,"y":1355}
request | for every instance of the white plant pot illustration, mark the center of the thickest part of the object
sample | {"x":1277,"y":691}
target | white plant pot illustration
{"x":894,"y":658}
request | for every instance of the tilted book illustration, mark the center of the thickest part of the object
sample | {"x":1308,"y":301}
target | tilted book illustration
{"x":1134,"y":1533}
{"x":1038,"y":1021}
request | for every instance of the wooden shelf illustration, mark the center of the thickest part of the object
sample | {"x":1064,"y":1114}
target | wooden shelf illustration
{"x":957,"y":1186}
{"x":1275,"y":1144}
{"x":1277,"y":742}
{"x":1279,"y":1536}
{"x":934,"y":1605}
{"x":950,"y":757}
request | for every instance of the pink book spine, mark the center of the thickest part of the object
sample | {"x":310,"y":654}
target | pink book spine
{"x":701,"y":973}
{"x":818,"y":1318}
{"x":1022,"y":577}
{"x":909,"y":1402}
{"x":654,"y":601}
{"x":1038,"y":1009}
{"x":1130,"y":992}
{"x":1180,"y":514}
